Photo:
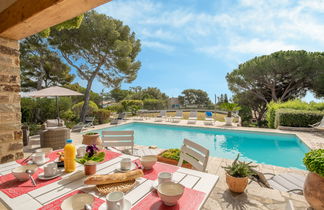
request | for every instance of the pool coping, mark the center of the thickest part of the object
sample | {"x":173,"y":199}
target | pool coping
{"x":310,"y":139}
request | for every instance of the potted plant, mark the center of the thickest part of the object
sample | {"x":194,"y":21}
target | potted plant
{"x":172,"y":156}
{"x":314,"y":183}
{"x":229,"y":107}
{"x":237,"y":175}
{"x":90,"y":159}
{"x":91,"y":138}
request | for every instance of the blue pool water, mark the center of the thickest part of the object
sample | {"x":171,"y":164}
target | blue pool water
{"x":268,"y":148}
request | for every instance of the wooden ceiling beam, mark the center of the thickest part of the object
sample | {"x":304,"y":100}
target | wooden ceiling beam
{"x":27,"y":17}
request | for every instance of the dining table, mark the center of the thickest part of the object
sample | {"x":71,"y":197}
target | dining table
{"x":50,"y":194}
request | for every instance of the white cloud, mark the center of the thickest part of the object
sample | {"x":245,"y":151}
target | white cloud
{"x":157,"y":45}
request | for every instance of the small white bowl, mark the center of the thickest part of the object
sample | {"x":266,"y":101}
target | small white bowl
{"x":170,"y":192}
{"x":148,"y":161}
{"x":20,"y":172}
{"x":46,"y":150}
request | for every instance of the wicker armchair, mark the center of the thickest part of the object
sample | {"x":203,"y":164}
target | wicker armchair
{"x":54,"y":138}
{"x":51,"y":124}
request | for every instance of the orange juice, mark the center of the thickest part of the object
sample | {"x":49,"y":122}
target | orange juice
{"x":69,"y":156}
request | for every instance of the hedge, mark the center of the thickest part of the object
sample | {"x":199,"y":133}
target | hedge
{"x":297,"y":118}
{"x":293,"y":104}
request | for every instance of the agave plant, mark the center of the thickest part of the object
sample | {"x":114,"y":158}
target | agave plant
{"x":230,"y":107}
{"x":240,"y":169}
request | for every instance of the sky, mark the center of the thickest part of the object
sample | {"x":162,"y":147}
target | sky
{"x":195,"y":43}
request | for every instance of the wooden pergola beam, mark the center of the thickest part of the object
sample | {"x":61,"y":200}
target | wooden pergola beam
{"x":27,"y":17}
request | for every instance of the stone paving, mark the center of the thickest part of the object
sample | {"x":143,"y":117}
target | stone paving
{"x":255,"y":197}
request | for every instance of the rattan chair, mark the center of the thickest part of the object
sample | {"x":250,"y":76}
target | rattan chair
{"x":54,"y":138}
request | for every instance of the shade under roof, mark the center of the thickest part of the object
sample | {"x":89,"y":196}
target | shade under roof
{"x":53,"y":91}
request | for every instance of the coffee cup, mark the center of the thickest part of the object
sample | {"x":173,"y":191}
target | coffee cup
{"x":125,"y":164}
{"x":39,"y":158}
{"x":164,"y":177}
{"x":115,"y":201}
{"x":81,"y":151}
{"x":50,"y":169}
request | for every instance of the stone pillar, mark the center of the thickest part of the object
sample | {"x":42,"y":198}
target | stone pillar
{"x":10,"y":115}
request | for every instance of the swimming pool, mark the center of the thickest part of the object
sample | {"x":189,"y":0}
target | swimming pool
{"x":283,"y":150}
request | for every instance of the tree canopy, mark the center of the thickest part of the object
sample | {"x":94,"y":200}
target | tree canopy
{"x":101,"y":48}
{"x":40,"y":66}
{"x":194,"y":97}
{"x":279,"y":76}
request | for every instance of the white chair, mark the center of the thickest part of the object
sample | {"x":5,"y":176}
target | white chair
{"x":178,"y":116}
{"x":192,"y":117}
{"x":209,"y":120}
{"x":118,"y":139}
{"x":194,"y":154}
{"x":160,"y":117}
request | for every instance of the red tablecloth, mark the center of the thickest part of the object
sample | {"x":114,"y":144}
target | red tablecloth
{"x":53,"y":156}
{"x":158,"y":167}
{"x":56,"y":205}
{"x":13,"y":187}
{"x":190,"y":200}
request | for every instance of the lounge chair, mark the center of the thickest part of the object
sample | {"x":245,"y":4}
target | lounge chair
{"x":192,"y":117}
{"x":319,"y":125}
{"x":115,"y":121}
{"x":160,"y":117}
{"x":209,"y":120}
{"x":88,"y":122}
{"x":177,"y":118}
{"x":287,"y":182}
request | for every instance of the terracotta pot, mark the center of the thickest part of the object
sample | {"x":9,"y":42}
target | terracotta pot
{"x":228,"y":121}
{"x":236,"y":184}
{"x":173,"y":162}
{"x":90,"y":169}
{"x":92,"y":139}
{"x":314,"y":190}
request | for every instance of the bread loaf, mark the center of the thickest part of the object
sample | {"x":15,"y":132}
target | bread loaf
{"x":114,"y":178}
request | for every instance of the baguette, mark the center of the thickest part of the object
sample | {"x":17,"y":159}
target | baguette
{"x":113,"y":178}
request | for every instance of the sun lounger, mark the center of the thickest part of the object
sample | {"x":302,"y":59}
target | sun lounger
{"x":319,"y":125}
{"x":115,"y":121}
{"x":161,"y":116}
{"x":192,"y":117}
{"x":287,"y":182}
{"x":177,"y":118}
{"x":209,"y":120}
{"x":88,"y":122}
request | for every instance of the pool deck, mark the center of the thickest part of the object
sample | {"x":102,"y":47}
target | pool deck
{"x":255,"y":196}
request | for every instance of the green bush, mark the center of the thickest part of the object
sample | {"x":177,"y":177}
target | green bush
{"x":91,"y":108}
{"x":297,"y":118}
{"x":173,"y":154}
{"x":154,"y":104}
{"x":102,"y":115}
{"x":293,"y":104}
{"x":314,"y":161}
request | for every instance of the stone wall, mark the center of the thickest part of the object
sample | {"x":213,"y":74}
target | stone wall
{"x":10,"y":116}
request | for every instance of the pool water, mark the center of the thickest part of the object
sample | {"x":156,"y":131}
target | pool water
{"x":283,"y":150}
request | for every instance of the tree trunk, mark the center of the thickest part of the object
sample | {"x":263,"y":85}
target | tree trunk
{"x":86,"y":99}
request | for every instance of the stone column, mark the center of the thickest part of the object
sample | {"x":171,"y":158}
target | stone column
{"x":10,"y":115}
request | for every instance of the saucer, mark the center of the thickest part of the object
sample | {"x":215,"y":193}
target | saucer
{"x":43,"y":177}
{"x":127,"y":205}
{"x":133,"y":166}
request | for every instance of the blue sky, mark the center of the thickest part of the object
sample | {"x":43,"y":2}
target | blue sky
{"x":195,"y":43}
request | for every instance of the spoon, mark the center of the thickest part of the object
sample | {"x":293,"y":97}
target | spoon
{"x":29,"y":172}
{"x":87,"y":207}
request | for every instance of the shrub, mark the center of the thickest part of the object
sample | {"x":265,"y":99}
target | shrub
{"x":314,"y":161}
{"x":68,"y":116}
{"x":297,"y":118}
{"x":116,"y":108}
{"x":173,"y":154}
{"x":239,"y":169}
{"x":102,"y":115}
{"x":91,"y":108}
{"x":154,"y":104}
{"x":293,"y":104}
{"x":127,"y":104}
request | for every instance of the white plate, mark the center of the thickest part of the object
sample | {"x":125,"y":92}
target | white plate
{"x":42,"y":177}
{"x":133,"y":166}
{"x":77,"y":201}
{"x":127,"y":205}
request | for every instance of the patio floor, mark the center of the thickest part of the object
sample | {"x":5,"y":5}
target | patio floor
{"x":255,"y":196}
